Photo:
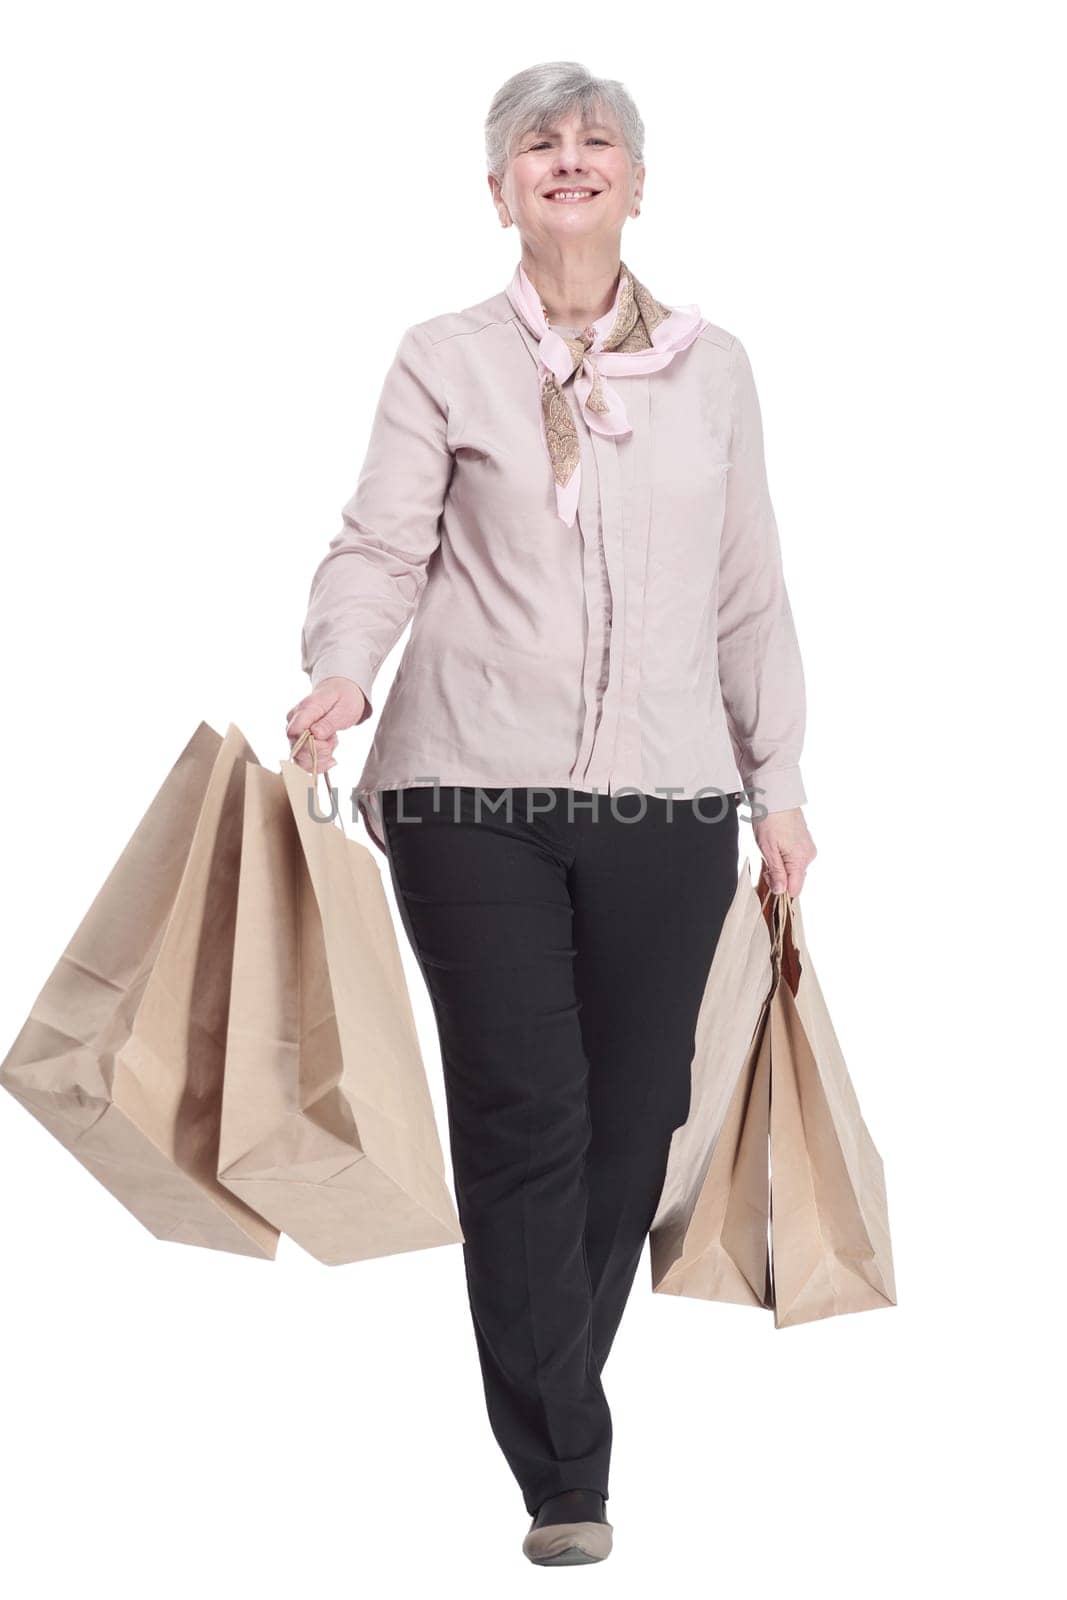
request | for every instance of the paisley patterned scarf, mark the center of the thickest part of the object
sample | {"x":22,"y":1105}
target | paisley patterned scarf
{"x":637,"y":335}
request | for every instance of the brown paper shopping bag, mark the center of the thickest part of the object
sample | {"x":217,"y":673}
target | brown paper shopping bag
{"x":122,"y":1055}
{"x":708,"y":1238}
{"x":328,"y":1127}
{"x":830,"y":1244}
{"x":787,"y":1207}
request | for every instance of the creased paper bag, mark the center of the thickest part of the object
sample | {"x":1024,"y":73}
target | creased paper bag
{"x":122,"y":1055}
{"x":775,"y":1194}
{"x":830,"y":1244}
{"x":328,"y":1127}
{"x":708,"y":1238}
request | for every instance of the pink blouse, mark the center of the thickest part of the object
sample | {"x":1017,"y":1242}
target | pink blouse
{"x":650,"y":646}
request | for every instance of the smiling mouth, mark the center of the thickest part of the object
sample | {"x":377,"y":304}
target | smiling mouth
{"x":572,"y":197}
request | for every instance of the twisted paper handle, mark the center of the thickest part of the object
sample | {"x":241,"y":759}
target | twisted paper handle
{"x":315,"y":770}
{"x":783,"y":905}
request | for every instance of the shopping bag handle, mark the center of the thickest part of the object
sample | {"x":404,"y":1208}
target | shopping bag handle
{"x":781,"y":913}
{"x":783,"y":905}
{"x":315,"y":772}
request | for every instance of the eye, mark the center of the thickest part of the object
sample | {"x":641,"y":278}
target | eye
{"x":593,"y":139}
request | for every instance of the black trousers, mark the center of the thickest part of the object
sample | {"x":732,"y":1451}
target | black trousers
{"x":565,"y":941}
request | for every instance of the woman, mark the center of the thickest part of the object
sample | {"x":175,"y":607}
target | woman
{"x":565,"y":492}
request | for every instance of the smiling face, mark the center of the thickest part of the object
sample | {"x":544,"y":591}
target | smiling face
{"x":569,"y":182}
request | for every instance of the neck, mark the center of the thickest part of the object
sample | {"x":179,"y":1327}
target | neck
{"x":576,"y":286}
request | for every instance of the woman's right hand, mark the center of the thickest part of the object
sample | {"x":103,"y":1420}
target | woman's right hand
{"x":333,"y":704}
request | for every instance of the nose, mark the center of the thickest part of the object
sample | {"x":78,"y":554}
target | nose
{"x":568,"y":160}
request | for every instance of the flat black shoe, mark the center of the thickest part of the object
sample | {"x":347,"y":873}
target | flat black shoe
{"x":569,"y":1529}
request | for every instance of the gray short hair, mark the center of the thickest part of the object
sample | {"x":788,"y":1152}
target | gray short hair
{"x":539,"y":96}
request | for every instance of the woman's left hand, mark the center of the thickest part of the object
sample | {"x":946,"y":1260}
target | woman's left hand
{"x":787,"y":849}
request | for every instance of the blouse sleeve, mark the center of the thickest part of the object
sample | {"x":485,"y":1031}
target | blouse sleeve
{"x":760,"y":669}
{"x":366,"y":588}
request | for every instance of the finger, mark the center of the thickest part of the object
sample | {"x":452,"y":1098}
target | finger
{"x":776,"y":873}
{"x":301,"y":717}
{"x":323,"y":758}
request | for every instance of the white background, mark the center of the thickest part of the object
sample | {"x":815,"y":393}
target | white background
{"x":220,"y":219}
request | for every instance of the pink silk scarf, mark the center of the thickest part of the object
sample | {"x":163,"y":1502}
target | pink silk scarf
{"x":637,"y":335}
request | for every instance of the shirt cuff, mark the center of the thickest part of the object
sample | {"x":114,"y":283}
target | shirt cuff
{"x":778,"y":790}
